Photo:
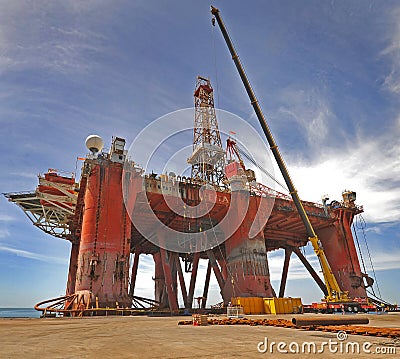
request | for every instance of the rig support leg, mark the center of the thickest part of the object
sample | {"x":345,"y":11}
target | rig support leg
{"x":288,"y":253}
{"x":134,"y":272}
{"x":169,"y":282}
{"x":216,"y":269}
{"x":160,"y":292}
{"x":174,"y":272}
{"x":224,"y":270}
{"x":193,"y":278}
{"x":311,"y":270}
{"x":206,"y":285}
{"x":181,"y":281}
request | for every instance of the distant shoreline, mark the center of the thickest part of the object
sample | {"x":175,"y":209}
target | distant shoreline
{"x":10,"y":313}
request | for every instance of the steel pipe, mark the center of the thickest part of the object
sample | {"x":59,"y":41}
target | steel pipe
{"x":342,"y":320}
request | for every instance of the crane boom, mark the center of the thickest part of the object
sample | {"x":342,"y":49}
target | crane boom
{"x":332,"y":286}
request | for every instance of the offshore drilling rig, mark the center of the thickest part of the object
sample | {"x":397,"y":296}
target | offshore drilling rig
{"x":95,"y":215}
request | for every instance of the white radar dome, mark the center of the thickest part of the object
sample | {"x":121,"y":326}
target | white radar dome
{"x":94,"y":143}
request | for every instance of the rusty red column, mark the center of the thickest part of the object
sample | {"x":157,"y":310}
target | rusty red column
{"x":246,"y":258}
{"x":103,"y":260}
{"x":73,"y":267}
{"x":341,"y":253}
{"x":160,"y":290}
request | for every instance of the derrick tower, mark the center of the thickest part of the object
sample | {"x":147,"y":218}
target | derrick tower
{"x":208,"y":157}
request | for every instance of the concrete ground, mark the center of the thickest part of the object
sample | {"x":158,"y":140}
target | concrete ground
{"x":155,"y":337}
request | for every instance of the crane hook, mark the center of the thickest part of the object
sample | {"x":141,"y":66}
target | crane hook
{"x":213,"y":21}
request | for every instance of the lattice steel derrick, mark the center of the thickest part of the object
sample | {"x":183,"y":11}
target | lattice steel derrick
{"x":208,"y":157}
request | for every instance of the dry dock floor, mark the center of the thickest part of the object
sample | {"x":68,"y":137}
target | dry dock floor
{"x":155,"y":337}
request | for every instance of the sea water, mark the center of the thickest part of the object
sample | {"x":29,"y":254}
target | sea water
{"x":19,"y":313}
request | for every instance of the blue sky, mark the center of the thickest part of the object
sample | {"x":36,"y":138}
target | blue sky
{"x":326,"y":73}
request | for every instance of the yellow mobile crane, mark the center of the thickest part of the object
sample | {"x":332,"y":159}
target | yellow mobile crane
{"x":334,"y":294}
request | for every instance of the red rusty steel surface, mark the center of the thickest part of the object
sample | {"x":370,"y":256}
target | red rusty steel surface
{"x":276,"y":232}
{"x":246,"y":257}
{"x":170,"y":275}
{"x":103,"y":260}
{"x":45,"y":187}
{"x":160,"y":290}
{"x":341,"y":253}
{"x":73,"y":267}
{"x":76,"y":223}
{"x":283,"y":229}
{"x":54,"y":177}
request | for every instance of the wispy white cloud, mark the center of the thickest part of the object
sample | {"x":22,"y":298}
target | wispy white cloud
{"x":367,"y":164}
{"x":30,"y":255}
{"x":24,"y":174}
{"x":310,"y":110}
{"x":378,"y":228}
{"x":392,"y":52}
{"x":386,"y":260}
{"x":64,"y":48}
{"x":4,"y":233}
{"x":6,"y":217}
{"x":370,"y":166}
